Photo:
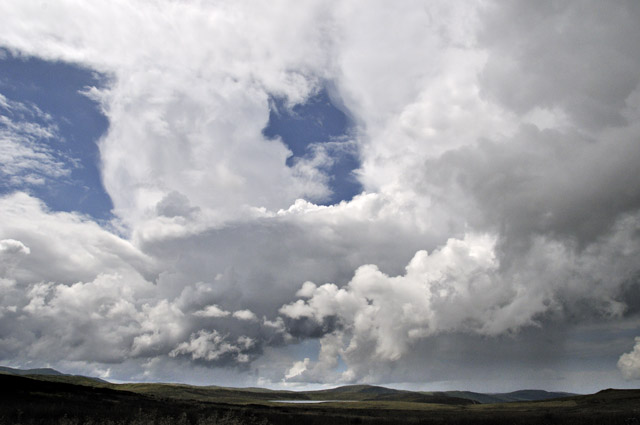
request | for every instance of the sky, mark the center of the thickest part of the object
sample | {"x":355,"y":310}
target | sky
{"x":429,"y":195}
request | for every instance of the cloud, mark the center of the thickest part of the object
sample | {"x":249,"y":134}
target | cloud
{"x":11,"y":253}
{"x":208,"y":118}
{"x":538,"y":45}
{"x":453,"y":288}
{"x":463,"y":288}
{"x":211,"y":346}
{"x":26,"y":154}
{"x":212,"y":311}
{"x":297,"y":369}
{"x":92,"y":322}
{"x":498,"y":145}
{"x":552,"y":182}
{"x":247,"y":315}
{"x":321,"y":371}
{"x":66,"y":247}
{"x":175,"y":204}
{"x":82,"y":286}
{"x":110,"y":318}
{"x":629,"y":363}
{"x":13,"y":247}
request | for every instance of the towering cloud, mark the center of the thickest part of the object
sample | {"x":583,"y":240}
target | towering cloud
{"x":497,"y":145}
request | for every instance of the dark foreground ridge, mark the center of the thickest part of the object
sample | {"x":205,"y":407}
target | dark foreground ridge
{"x":56,"y":398}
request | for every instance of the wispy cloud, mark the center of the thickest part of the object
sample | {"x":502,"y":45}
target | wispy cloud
{"x":27,"y":156}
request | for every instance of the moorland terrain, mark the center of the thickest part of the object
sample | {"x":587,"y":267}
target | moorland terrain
{"x":45,"y":396}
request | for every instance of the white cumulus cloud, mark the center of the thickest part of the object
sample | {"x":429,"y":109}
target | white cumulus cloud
{"x":629,"y":363}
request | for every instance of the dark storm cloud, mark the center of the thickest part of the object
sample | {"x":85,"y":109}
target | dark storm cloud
{"x":305,"y":327}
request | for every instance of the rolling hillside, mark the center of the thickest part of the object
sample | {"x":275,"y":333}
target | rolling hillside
{"x":343,"y":393}
{"x":45,"y":399}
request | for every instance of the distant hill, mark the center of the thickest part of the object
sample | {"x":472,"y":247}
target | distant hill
{"x":521,"y":395}
{"x":42,"y":371}
{"x":373,"y":392}
{"x":362,"y":389}
{"x":347,"y":392}
{"x":53,"y":375}
{"x":377,"y":393}
{"x":532,"y":395}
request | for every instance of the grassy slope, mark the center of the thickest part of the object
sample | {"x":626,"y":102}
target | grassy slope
{"x":253,"y":395}
{"x":349,"y":392}
{"x":227,"y":395}
{"x":50,"y":398}
{"x":359,"y":393}
{"x":240,"y":395}
{"x":363,"y":393}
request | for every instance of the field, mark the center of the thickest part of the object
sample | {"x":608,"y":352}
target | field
{"x":72,"y":400}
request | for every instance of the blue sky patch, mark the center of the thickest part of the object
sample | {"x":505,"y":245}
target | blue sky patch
{"x":48,"y":134}
{"x":318,"y":125}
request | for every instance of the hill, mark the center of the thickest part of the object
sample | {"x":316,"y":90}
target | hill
{"x":54,"y":375}
{"x":249,"y":395}
{"x":343,"y":393}
{"x":521,"y":395}
{"x":42,"y":371}
{"x":347,"y":392}
{"x":377,"y":393}
{"x":40,"y":399}
{"x":36,"y":399}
